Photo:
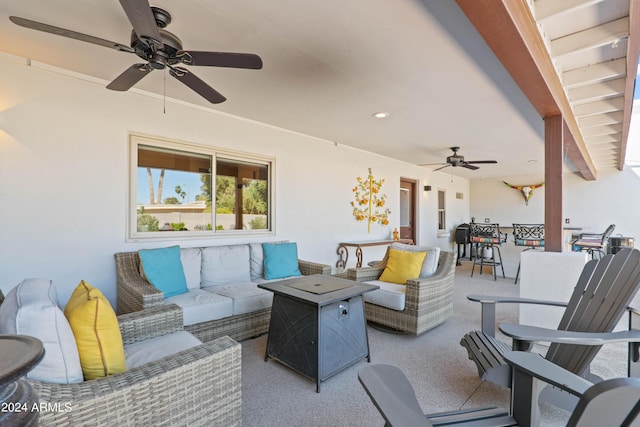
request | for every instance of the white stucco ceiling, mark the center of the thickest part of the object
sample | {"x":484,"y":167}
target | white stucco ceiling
{"x":328,"y":66}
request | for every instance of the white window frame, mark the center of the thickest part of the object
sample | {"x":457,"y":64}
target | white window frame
{"x":132,"y":233}
{"x":442,"y":210}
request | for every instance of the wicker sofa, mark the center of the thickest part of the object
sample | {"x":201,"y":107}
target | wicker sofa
{"x":135,"y":293}
{"x":428,"y":301}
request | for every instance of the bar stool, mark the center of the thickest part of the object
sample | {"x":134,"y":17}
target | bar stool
{"x":484,"y":237}
{"x":593,"y":243}
{"x":529,"y":235}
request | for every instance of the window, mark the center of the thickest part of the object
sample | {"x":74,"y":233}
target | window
{"x":442,"y":214}
{"x":405,"y":207}
{"x":182,"y":190}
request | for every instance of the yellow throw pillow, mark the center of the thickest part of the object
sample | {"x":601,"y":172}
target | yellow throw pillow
{"x":95,"y":326}
{"x":402,"y":265}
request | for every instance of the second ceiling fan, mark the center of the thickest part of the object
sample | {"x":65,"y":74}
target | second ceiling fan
{"x":158,"y":47}
{"x":456,"y":160}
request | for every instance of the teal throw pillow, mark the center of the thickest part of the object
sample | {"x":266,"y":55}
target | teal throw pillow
{"x":163,"y":269}
{"x":280,"y":260}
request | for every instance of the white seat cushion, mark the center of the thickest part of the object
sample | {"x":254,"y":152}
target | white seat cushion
{"x":31,"y":308}
{"x":390,"y":295}
{"x":143,"y":352}
{"x":247,"y":297}
{"x":200,"y":306}
{"x":225,"y":264}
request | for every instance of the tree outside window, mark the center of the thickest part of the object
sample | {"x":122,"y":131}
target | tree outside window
{"x":173,"y":190}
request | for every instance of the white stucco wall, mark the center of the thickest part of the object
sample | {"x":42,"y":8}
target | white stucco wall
{"x":492,"y":199}
{"x":591,"y":205}
{"x":64,"y":178}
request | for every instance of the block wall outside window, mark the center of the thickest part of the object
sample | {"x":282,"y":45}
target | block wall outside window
{"x":180,"y":190}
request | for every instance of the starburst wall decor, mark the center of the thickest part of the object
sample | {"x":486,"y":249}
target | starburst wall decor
{"x":369,"y":203}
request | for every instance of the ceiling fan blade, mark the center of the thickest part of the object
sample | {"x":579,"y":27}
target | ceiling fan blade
{"x":130,"y":77}
{"x":27,"y":23}
{"x":221,"y":59}
{"x":143,"y":22}
{"x":197,"y":85}
{"x":482,"y":161}
{"x":446,"y":166}
{"x":468,"y":166}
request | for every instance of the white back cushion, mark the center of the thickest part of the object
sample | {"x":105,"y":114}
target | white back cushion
{"x":191,"y":264}
{"x":257,"y":261}
{"x":430,"y":263}
{"x":31,"y":308}
{"x":225,"y":264}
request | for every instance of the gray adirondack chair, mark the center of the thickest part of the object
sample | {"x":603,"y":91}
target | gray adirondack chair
{"x":601,"y":297}
{"x":612,"y":402}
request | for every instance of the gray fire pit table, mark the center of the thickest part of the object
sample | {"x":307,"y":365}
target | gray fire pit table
{"x":317,"y":325}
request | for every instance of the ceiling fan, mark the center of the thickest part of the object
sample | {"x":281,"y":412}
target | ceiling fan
{"x":158,"y":47}
{"x":456,"y":160}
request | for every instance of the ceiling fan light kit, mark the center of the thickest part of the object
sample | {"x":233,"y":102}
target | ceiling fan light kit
{"x":158,"y":47}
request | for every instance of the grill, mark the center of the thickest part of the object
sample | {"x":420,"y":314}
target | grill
{"x":463,"y":232}
{"x":617,"y":243}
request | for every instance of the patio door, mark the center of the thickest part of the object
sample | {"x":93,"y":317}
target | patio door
{"x":408,"y":209}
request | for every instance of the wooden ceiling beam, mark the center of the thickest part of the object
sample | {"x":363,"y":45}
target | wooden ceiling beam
{"x":598,"y":107}
{"x":633,"y":49}
{"x":598,"y":36}
{"x":595,"y":73}
{"x":510,"y":30}
{"x":602,"y":130}
{"x":603,"y":138}
{"x":597,"y":91}
{"x":601,"y":119}
{"x":548,"y":8}
{"x":609,"y":151}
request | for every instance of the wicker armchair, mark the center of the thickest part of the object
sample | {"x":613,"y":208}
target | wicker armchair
{"x":135,"y":294}
{"x":199,"y":386}
{"x":428,"y":301}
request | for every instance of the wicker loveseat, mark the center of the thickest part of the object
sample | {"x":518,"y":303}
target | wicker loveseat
{"x":428,"y":300}
{"x":196,"y":387}
{"x":135,"y":293}
{"x":137,"y":369}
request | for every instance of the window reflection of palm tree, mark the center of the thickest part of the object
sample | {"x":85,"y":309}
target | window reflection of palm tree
{"x":152,"y":199}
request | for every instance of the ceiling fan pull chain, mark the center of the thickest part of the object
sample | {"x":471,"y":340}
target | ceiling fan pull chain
{"x":164,"y":92}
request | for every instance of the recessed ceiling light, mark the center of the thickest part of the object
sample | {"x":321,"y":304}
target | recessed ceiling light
{"x":380,"y":115}
{"x":532,"y":161}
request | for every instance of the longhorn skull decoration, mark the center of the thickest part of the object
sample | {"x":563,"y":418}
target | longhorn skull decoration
{"x":526,"y":190}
